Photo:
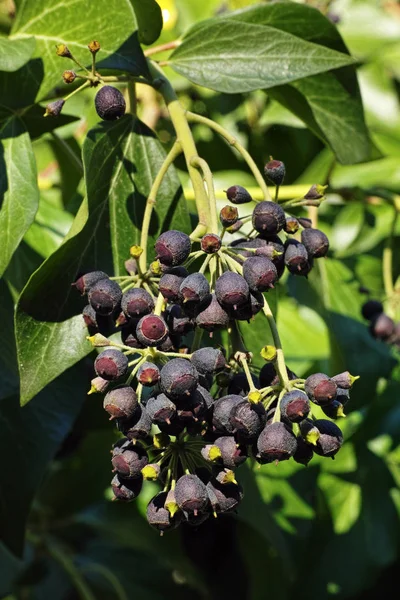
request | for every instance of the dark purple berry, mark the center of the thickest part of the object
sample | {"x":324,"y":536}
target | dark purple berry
{"x":178,"y":377}
{"x":170,"y":283}
{"x":126,"y":489}
{"x":138,"y":427}
{"x":191,"y":494}
{"x":191,"y":408}
{"x":104,"y":296}
{"x":249,"y":309}
{"x":194,"y":288}
{"x":110,"y":104}
{"x":136,"y":303}
{"x":295,"y":406}
{"x":174,"y":427}
{"x":173,"y":248}
{"x":90,"y":317}
{"x":224,"y":497}
{"x":268,"y":375}
{"x":304,"y":222}
{"x":129,"y":337}
{"x":239,"y":385}
{"x":85,"y":282}
{"x":228,"y":216}
{"x":247,"y":420}
{"x":121,"y":402}
{"x":232,"y":454}
{"x":304,"y":452}
{"x":210,"y":243}
{"x":129,"y":462}
{"x":296,"y":257}
{"x":345,"y":380}
{"x":148,"y":374}
{"x":334,"y":410}
{"x":315,"y":242}
{"x":382,"y":327}
{"x":275,"y":443}
{"x":158,"y":516}
{"x":260,"y":273}
{"x":208,"y":360}
{"x":330,"y":439}
{"x":371,"y":309}
{"x":221,"y":414}
{"x":320,"y":388}
{"x":111,"y":364}
{"x":213,"y":317}
{"x":238,"y":195}
{"x":268,"y":217}
{"x":275,"y":171}
{"x":151,"y":330}
{"x":231,"y":289}
{"x":178,"y":322}
{"x":160,"y":409}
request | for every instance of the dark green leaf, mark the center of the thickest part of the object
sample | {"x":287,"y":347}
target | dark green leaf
{"x":19,"y":194}
{"x":121,"y":160}
{"x":9,"y":383}
{"x":29,"y":437}
{"x":240,"y":57}
{"x":15,"y":53}
{"x":76,"y":25}
{"x":149,"y":18}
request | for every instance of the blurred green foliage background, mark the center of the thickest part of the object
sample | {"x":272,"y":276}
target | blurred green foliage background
{"x":327,"y":531}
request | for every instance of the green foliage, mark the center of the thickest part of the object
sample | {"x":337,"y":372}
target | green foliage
{"x":284,"y":81}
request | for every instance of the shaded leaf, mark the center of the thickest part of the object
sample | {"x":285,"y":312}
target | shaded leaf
{"x":15,"y":53}
{"x":149,"y":19}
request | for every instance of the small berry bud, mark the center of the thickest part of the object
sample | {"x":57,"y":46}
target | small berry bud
{"x":151,"y":472}
{"x":94,"y":47}
{"x":62,"y":50}
{"x":292,"y":225}
{"x":275,"y":171}
{"x":316,"y":192}
{"x":54,"y":108}
{"x":69,"y":76}
{"x":228,"y":216}
{"x":210,"y":243}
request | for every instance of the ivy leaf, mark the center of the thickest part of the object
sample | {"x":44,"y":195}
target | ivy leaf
{"x":121,"y":160}
{"x":240,"y":57}
{"x":150,"y":21}
{"x":76,"y":24}
{"x":15,"y":53}
{"x":19,"y":194}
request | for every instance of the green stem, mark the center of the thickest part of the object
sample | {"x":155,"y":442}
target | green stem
{"x":246,"y":369}
{"x":200,"y":163}
{"x":78,"y":89}
{"x":82,"y":588}
{"x":152,"y":199}
{"x":279,"y":362}
{"x":198,"y":334}
{"x":194,"y":118}
{"x":387,"y":262}
{"x":185,"y":137}
{"x":131,"y":104}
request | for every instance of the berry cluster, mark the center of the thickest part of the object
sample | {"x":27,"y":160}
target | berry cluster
{"x":191,"y":415}
{"x":381,"y":327}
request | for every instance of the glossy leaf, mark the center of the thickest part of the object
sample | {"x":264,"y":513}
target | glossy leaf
{"x":121,"y":160}
{"x":76,"y":24}
{"x":15,"y":53}
{"x":149,"y":19}
{"x":239,"y":57}
{"x":19,"y":195}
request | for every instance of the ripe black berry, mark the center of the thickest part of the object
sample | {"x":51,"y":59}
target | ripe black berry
{"x":371,"y":309}
{"x":221,"y":414}
{"x":315,"y":242}
{"x":121,"y":402}
{"x":247,"y":420}
{"x":110,"y":104}
{"x":210,"y":243}
{"x":232,"y":453}
{"x":172,"y":247}
{"x":90,"y":317}
{"x":212,"y":317}
{"x":224,"y":497}
{"x":246,"y":311}
{"x":334,"y":410}
{"x":148,"y":374}
{"x":194,"y":288}
{"x":104,"y":296}
{"x":239,"y":385}
{"x":178,"y":377}
{"x":268,"y":217}
{"x":151,"y":330}
{"x":330,"y":439}
{"x":344,"y":380}
{"x":381,"y":327}
{"x":320,"y":388}
{"x":275,"y":171}
{"x":111,"y":364}
{"x":85,"y":282}
{"x":170,"y":283}
{"x":304,"y":452}
{"x":260,"y":273}
{"x":296,"y":257}
{"x":231,"y":289}
{"x":129,"y":461}
{"x":295,"y":406}
{"x":191,"y":494}
{"x":238,"y":195}
{"x":138,"y":427}
{"x":275,"y":443}
{"x":178,"y":322}
{"x":158,"y":516}
{"x":136,"y":303}
{"x":208,"y":360}
{"x":126,"y":489}
{"x":129,"y":337}
{"x":160,"y":409}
